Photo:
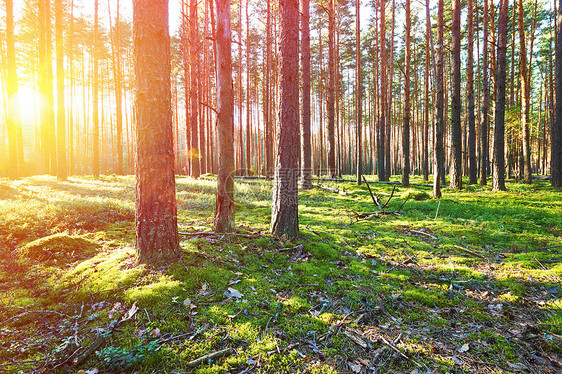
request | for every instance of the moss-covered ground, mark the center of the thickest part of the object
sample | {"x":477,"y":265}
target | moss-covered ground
{"x":470,"y":283}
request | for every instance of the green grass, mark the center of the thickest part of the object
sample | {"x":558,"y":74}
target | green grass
{"x":474,"y":267}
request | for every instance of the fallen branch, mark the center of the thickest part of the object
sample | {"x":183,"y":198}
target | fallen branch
{"x":212,"y":233}
{"x":331,"y":189}
{"x":425,"y":233}
{"x":470,"y":251}
{"x":99,"y":341}
{"x":374,"y":197}
{"x":210,"y":357}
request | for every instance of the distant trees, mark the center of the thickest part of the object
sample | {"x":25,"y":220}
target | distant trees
{"x":156,"y":212}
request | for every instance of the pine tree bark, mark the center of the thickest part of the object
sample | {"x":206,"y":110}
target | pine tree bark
{"x":95,"y":95}
{"x":439,"y":157}
{"x":472,"y":164}
{"x":485,"y":102}
{"x":525,"y":97}
{"x":425,"y":150}
{"x":268,"y":144}
{"x":15,"y":161}
{"x":358,"y":94}
{"x":224,"y":213}
{"x":456,"y":126}
{"x":556,"y":137}
{"x":284,"y":214}
{"x":306,"y":151}
{"x":498,"y":181}
{"x":332,"y":172}
{"x":156,"y":212}
{"x":381,"y":133}
{"x":61,"y":119}
{"x":406,"y":128}
{"x":194,"y":89}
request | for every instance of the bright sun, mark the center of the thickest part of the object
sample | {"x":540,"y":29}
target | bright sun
{"x":28,"y":102}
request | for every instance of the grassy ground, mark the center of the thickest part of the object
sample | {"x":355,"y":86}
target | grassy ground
{"x":470,"y":283}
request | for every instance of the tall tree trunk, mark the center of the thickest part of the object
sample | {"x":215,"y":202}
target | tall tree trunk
{"x":358,"y":94}
{"x":381,"y":138}
{"x":425,"y":150}
{"x":525,"y":97}
{"x":485,"y":101}
{"x":472,"y":165}
{"x":331,"y":90}
{"x":498,"y":182}
{"x":556,"y":137}
{"x":95,"y":94}
{"x":439,"y":162}
{"x":306,"y":156}
{"x":456,"y":125}
{"x":406,"y":128}
{"x":284,"y":212}
{"x":194,"y":89}
{"x":15,"y":163}
{"x":61,"y":119}
{"x":156,"y":211}
{"x":116,"y":57}
{"x":268,"y":144}
{"x":224,"y":213}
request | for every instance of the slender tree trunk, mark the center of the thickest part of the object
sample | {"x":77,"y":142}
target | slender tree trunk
{"x":439,"y":156}
{"x":381,"y":138}
{"x":284,"y":214}
{"x":498,"y":183}
{"x":95,"y":94}
{"x":485,"y":101}
{"x":194,"y":89}
{"x":331,"y":90}
{"x":306,"y":156}
{"x":556,"y":137}
{"x":525,"y":97}
{"x":456,"y":125}
{"x":156,"y":212}
{"x":267,"y":110}
{"x":61,"y":119}
{"x":425,"y":150}
{"x":472,"y":165}
{"x":406,"y":129}
{"x":224,"y":213}
{"x":15,"y":161}
{"x":358,"y":93}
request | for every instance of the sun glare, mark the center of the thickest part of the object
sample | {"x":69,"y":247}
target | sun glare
{"x":27,"y":97}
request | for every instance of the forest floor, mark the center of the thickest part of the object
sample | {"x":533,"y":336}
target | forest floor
{"x":470,"y":283}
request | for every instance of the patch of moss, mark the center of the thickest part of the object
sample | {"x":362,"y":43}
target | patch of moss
{"x":57,"y":248}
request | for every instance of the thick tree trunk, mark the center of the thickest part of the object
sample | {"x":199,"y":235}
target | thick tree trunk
{"x":498,"y":182}
{"x":456,"y":126}
{"x":306,"y":156}
{"x":556,"y":138}
{"x":406,"y":129}
{"x":156,"y":212}
{"x":439,"y":162}
{"x":224,"y":213}
{"x":284,"y":212}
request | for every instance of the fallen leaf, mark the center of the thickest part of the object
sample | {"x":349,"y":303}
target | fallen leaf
{"x":156,"y":332}
{"x":464,"y":348}
{"x":356,"y":368}
{"x":234,"y":293}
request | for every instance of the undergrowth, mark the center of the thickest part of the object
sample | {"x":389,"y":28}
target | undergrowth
{"x":468,"y":283}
